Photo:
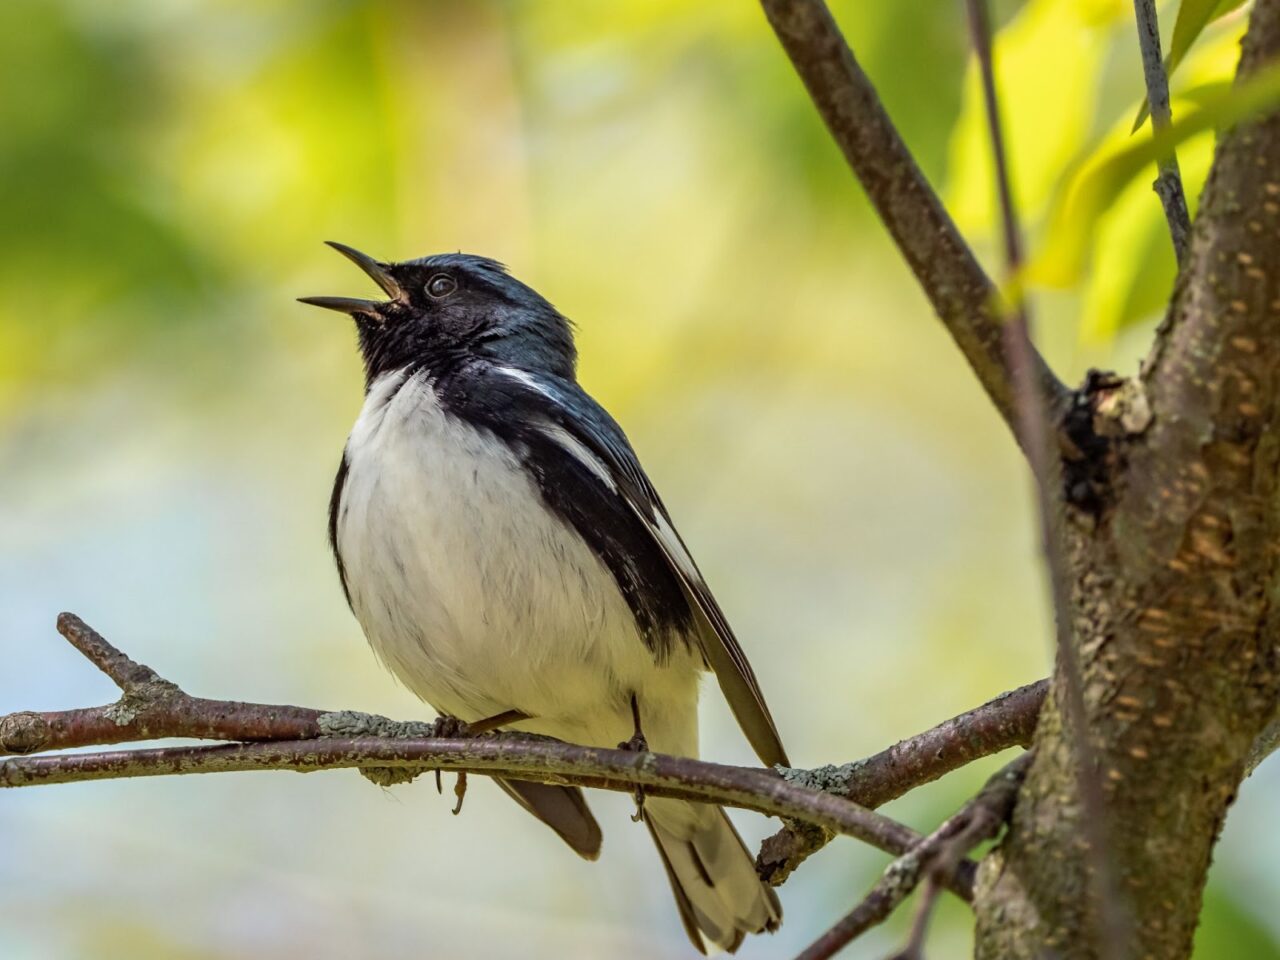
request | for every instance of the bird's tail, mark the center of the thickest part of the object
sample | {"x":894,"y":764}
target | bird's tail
{"x":713,"y":877}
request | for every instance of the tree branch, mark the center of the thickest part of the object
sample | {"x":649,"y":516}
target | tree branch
{"x":1168,"y":185}
{"x":827,"y":801}
{"x":295,"y":738}
{"x":1173,"y":587}
{"x":1046,"y":468}
{"x":511,"y":754}
{"x":933,"y":858}
{"x":961,"y":293}
{"x":1007,"y":721}
{"x":151,"y":709}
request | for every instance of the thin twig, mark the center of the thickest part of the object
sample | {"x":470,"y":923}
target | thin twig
{"x":124,"y":672}
{"x":1046,"y":468}
{"x":1008,"y":720}
{"x":914,"y":949}
{"x":935,"y":858}
{"x":961,"y":293}
{"x":1168,"y":185}
{"x":152,"y":708}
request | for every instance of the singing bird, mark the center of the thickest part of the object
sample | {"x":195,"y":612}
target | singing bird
{"x":507,"y":556}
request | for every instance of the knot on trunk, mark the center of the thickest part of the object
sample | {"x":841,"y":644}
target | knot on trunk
{"x":1102,"y":417}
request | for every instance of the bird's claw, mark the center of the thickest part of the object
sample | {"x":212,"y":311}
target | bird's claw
{"x":637,"y":744}
{"x":460,"y":791}
{"x":447,"y":727}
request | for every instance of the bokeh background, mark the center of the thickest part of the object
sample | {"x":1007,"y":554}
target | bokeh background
{"x":170,"y":420}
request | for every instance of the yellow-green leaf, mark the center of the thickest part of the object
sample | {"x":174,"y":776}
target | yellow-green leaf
{"x":1132,"y":266}
{"x":1096,"y":182}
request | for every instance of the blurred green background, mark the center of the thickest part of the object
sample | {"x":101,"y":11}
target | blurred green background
{"x":170,"y":420}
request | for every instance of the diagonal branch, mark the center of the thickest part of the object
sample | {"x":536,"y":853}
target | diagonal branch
{"x":961,"y":293}
{"x":1046,"y":467}
{"x":1168,"y":185}
{"x":932,"y":859}
{"x":1008,"y":720}
{"x":150,"y":709}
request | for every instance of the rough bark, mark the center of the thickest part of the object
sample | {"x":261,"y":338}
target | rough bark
{"x":1174,"y":568}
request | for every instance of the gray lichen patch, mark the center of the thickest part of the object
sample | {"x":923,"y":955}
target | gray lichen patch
{"x":351,"y":723}
{"x":903,"y":874}
{"x":138,"y":698}
{"x":390,"y":776}
{"x":123,"y":712}
{"x":828,"y":778}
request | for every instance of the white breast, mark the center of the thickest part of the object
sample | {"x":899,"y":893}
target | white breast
{"x":476,"y":596}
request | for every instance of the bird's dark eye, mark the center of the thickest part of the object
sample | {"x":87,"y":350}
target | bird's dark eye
{"x":441,"y":285}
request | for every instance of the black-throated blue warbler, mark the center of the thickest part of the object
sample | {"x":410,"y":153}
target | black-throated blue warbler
{"x":503,"y":550}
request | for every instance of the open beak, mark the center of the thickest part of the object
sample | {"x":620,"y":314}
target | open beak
{"x":377,"y":271}
{"x":343,"y":304}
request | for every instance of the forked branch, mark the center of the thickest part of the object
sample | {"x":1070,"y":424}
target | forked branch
{"x":962,"y":294}
{"x":1008,"y":720}
{"x":932,"y":860}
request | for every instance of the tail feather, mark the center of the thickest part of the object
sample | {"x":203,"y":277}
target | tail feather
{"x":691,"y":922}
{"x":563,"y":809}
{"x":719,"y":895}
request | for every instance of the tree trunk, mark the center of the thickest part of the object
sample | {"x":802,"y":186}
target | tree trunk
{"x":1174,"y":549}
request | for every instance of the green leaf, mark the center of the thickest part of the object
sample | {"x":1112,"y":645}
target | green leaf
{"x":1193,"y":17}
{"x":1092,"y":185}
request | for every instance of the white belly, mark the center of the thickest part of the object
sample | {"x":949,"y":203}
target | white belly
{"x":478,"y":598}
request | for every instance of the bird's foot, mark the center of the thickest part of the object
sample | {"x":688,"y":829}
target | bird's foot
{"x":449,"y":727}
{"x":637,"y":744}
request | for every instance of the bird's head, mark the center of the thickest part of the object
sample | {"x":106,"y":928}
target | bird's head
{"x":448,"y":308}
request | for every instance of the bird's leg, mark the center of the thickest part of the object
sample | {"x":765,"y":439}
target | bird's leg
{"x":497,"y":720}
{"x":637,"y":744}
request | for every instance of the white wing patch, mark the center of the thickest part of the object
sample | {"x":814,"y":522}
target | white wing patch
{"x":575,"y":449}
{"x":526,"y":378}
{"x":672,"y":546}
{"x":658,"y":523}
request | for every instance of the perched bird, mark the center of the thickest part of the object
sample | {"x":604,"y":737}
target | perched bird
{"x":507,"y":557}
